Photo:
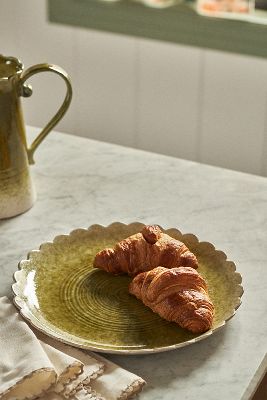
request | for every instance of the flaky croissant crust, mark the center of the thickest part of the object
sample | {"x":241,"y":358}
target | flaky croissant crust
{"x":178,"y":295}
{"x":144,"y":251}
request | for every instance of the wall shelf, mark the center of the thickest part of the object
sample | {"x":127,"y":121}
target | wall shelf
{"x":177,"y":24}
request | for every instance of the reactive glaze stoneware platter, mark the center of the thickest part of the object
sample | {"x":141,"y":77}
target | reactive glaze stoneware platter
{"x":60,"y":293}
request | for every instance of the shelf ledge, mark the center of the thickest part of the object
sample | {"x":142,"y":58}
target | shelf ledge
{"x":178,"y":24}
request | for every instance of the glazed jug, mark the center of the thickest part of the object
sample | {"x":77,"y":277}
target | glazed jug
{"x":16,"y":188}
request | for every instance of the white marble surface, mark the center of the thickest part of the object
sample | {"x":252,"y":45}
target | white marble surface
{"x":80,"y":182}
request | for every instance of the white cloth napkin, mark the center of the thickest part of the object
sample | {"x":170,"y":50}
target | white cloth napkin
{"x":36,"y":366}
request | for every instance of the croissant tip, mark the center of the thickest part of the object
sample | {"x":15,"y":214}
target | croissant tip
{"x":151,"y":233}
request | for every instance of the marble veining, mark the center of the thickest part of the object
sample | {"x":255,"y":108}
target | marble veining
{"x":80,"y":182}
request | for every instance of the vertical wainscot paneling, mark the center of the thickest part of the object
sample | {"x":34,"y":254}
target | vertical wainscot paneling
{"x":9,"y":18}
{"x":264,"y":151}
{"x":182,"y":101}
{"x":105,"y":84}
{"x":40,"y":41}
{"x":233,"y":111}
{"x":167,"y":101}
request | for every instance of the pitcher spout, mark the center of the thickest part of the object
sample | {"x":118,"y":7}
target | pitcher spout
{"x":9,"y":66}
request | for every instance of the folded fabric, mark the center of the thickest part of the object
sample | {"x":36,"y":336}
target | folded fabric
{"x":33,"y":365}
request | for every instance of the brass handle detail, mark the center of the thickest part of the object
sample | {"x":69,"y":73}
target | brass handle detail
{"x":27,"y":74}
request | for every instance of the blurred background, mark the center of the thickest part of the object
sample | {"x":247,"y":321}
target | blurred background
{"x":185,"y":101}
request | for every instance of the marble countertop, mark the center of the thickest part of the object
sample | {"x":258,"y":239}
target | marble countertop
{"x":80,"y":182}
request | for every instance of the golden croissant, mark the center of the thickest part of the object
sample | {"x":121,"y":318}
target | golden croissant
{"x":144,"y":251}
{"x":178,"y":295}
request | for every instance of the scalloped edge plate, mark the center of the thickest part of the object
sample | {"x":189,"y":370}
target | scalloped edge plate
{"x":20,"y":300}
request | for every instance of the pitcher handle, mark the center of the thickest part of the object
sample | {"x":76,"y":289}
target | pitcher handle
{"x":26,"y":91}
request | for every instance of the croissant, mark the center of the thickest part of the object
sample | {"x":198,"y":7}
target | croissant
{"x":144,"y":251}
{"x":178,"y":295}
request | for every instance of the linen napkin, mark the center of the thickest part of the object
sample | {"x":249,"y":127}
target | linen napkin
{"x":33,"y":365}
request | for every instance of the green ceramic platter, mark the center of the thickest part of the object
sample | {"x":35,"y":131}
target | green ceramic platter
{"x":59,"y":292}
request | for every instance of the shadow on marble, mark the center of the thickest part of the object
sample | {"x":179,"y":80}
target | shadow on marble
{"x":3,"y":222}
{"x":163,"y":369}
{"x":8,"y":293}
{"x":6,"y":221}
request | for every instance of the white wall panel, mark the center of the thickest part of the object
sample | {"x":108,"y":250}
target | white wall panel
{"x":168,"y":98}
{"x":264,"y":150}
{"x":9,"y":27}
{"x":40,"y":41}
{"x":182,"y":101}
{"x":234,"y":109}
{"x":105,"y":79}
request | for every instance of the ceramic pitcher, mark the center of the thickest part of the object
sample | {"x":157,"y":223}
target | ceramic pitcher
{"x":16,"y":189}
